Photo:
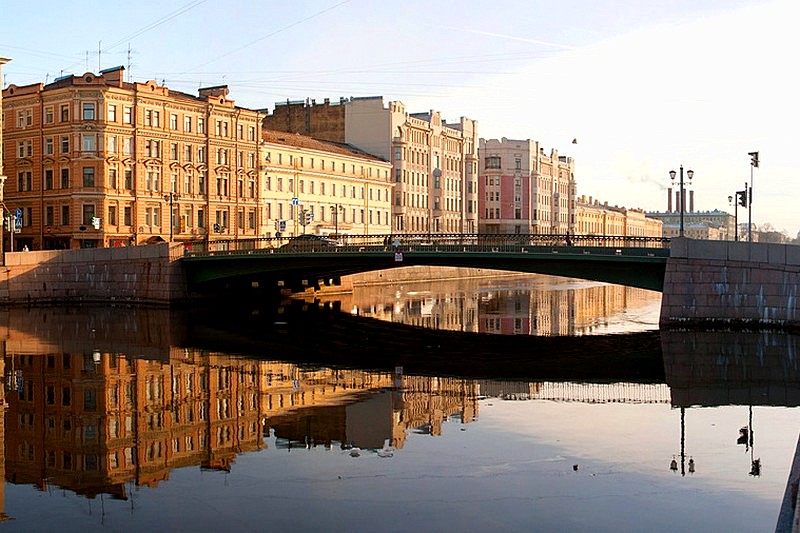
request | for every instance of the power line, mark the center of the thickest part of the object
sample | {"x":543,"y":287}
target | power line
{"x":280,"y":30}
{"x":159,"y":22}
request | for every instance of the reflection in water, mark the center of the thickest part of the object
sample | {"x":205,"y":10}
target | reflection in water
{"x":530,"y":305}
{"x":107,"y":401}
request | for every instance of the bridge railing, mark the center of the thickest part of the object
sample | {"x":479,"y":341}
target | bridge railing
{"x":493,"y":243}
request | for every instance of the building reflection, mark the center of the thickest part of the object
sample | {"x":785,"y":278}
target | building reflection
{"x":94,"y":422}
{"x":539,"y":305}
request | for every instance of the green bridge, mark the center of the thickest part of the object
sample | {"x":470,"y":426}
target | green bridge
{"x":311,"y":261}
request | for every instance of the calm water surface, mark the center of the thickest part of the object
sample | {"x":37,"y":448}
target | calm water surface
{"x":309,"y":418}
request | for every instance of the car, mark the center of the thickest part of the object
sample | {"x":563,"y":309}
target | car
{"x":309,"y":243}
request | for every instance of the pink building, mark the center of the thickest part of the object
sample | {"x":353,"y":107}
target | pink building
{"x":521,"y":189}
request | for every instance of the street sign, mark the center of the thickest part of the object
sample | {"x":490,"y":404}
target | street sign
{"x":283,"y":225}
{"x":17,"y":225}
{"x":18,"y":213}
{"x":295,"y":201}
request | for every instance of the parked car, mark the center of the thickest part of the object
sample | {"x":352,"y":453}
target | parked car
{"x":309,"y":243}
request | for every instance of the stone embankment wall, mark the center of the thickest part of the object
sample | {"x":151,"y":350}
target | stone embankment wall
{"x":714,"y":283}
{"x":149,"y":274}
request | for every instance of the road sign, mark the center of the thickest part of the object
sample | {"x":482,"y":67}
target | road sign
{"x":283,"y":225}
{"x":17,"y":225}
{"x":295,"y":201}
{"x":18,"y":213}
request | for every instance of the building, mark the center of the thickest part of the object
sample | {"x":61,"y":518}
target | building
{"x":3,"y":61}
{"x":96,"y":161}
{"x":594,"y":218}
{"x":713,"y":225}
{"x":314,"y":186}
{"x":524,"y":190}
{"x":434,"y":162}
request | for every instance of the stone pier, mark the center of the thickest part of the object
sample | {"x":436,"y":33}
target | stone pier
{"x":149,"y":274}
{"x":725,"y":283}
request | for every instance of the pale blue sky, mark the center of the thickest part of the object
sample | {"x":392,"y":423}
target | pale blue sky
{"x":644,"y":86}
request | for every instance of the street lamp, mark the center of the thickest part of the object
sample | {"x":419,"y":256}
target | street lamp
{"x":2,"y":211}
{"x":335,"y":211}
{"x":171,"y":197}
{"x":682,"y":194}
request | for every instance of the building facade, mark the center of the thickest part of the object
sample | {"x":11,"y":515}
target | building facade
{"x":713,"y":225}
{"x":595,"y":218}
{"x":313,"y":186}
{"x":522,"y":189}
{"x":95,"y":161}
{"x":434,"y":162}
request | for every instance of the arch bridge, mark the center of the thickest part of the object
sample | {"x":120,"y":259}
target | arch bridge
{"x":311,"y":261}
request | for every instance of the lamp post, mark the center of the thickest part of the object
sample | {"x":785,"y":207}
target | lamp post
{"x":2,"y":211}
{"x":682,"y":193}
{"x":171,"y":197}
{"x":335,"y":210}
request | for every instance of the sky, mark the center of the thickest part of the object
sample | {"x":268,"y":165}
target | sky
{"x":644,"y":86}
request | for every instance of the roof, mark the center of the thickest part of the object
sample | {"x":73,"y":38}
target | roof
{"x":304,"y":141}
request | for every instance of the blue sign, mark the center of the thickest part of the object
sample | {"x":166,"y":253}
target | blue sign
{"x":295,"y":201}
{"x":283,"y":225}
{"x":18,"y":213}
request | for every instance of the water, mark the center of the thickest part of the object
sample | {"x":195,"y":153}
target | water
{"x":309,"y":418}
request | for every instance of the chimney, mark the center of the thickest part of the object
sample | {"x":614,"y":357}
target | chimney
{"x":677,"y":201}
{"x":691,"y":201}
{"x":669,"y":200}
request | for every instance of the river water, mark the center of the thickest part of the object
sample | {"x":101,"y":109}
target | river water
{"x":514,"y":404}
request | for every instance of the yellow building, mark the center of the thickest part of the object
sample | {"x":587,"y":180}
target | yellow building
{"x":594,"y":218}
{"x":313,"y":186}
{"x":96,"y":161}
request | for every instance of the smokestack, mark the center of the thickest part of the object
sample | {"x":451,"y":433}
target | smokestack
{"x":691,"y":201}
{"x":677,"y":201}
{"x":669,"y":200}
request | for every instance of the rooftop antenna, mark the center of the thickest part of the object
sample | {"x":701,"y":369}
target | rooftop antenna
{"x":87,"y":60}
{"x":129,"y":62}
{"x":98,"y":56}
{"x":46,"y":78}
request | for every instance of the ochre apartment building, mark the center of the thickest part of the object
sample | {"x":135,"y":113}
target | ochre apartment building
{"x":434,"y":162}
{"x":95,"y":161}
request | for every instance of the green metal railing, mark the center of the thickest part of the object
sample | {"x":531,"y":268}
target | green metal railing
{"x":441,"y":243}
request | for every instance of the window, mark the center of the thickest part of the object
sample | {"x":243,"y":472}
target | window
{"x":240,"y":131}
{"x":65,"y":178}
{"x":251,"y":133}
{"x":65,"y":216}
{"x":112,"y":178}
{"x":88,"y":176}
{"x":64,"y":112}
{"x":127,"y":146}
{"x":173,"y":151}
{"x":187,"y":153}
{"x":111,"y":113}
{"x":65,"y":144}
{"x":48,"y":146}
{"x":187,"y":124}
{"x":127,"y":115}
{"x":129,"y":179}
{"x":49,"y":215}
{"x":127,"y":214}
{"x":87,"y":143}
{"x":201,"y":125}
{"x":112,"y":144}
{"x":173,"y":122}
{"x":24,"y":118}
{"x":87,"y":111}
{"x":24,"y":181}
{"x":48,"y":179}
{"x":48,"y":115}
{"x":112,"y":215}
{"x":201,"y":183}
{"x":493,"y":162}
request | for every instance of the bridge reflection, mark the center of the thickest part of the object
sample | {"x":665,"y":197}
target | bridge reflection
{"x":98,"y":401}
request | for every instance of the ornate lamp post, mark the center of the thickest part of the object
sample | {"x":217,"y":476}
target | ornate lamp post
{"x":335,"y":211}
{"x":682,"y":193}
{"x":171,"y":197}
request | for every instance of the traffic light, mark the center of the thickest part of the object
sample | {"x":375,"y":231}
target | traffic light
{"x":309,"y":216}
{"x":7,"y":224}
{"x":95,"y":222}
{"x":742,"y":198}
{"x":753,"y":159}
